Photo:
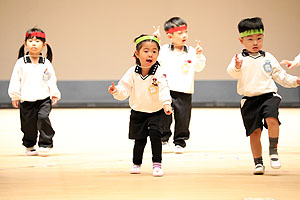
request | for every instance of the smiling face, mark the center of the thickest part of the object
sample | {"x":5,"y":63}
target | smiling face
{"x":147,"y":54}
{"x":253,"y":43}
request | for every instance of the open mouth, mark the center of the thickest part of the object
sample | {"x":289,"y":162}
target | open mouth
{"x":149,"y":61}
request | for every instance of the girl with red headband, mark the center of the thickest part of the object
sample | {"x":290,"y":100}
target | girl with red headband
{"x":149,"y":100}
{"x":33,"y":88}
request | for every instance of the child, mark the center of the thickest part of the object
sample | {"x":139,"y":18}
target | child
{"x":256,"y":72}
{"x":33,"y":83}
{"x":179,"y":62}
{"x":149,"y":96}
{"x":292,"y":64}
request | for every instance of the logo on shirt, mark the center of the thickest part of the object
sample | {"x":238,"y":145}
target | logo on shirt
{"x":153,"y":89}
{"x":186,"y":66}
{"x":268,"y":66}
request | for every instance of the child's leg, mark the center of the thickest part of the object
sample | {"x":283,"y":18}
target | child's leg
{"x":156,"y":146}
{"x":273,"y":130}
{"x":256,"y":144}
{"x":28,"y":118}
{"x":44,"y":124}
{"x":182,"y":115}
{"x":138,"y":151}
{"x":167,"y":121}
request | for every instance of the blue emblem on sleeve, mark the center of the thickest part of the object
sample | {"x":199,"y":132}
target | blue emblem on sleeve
{"x":268,"y":66}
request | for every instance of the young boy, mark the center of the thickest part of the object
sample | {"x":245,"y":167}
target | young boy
{"x":179,"y":63}
{"x":256,"y":72}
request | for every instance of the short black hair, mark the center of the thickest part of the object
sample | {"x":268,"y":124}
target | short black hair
{"x":174,"y":22}
{"x":250,"y":24}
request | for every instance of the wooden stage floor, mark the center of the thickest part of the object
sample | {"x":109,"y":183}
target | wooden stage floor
{"x":92,"y":157}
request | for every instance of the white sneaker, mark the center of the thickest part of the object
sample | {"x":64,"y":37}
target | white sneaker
{"x":166,"y":147}
{"x":158,"y":172}
{"x":259,"y":169}
{"x":274,"y":161}
{"x":31,"y":151}
{"x":178,"y":149}
{"x":44,"y":151}
{"x":135,"y":169}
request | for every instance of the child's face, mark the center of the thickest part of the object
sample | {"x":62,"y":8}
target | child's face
{"x":34,"y":45}
{"x":147,"y":54}
{"x":253,"y":43}
{"x":178,"y":38}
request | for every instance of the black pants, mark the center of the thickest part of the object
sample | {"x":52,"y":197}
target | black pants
{"x":139,"y":146}
{"x":35,"y":117}
{"x":182,"y":105}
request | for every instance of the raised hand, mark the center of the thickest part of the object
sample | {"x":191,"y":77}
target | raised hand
{"x":156,"y":32}
{"x":289,"y":64}
{"x":112,"y":89}
{"x":198,"y":48}
{"x":238,"y":62}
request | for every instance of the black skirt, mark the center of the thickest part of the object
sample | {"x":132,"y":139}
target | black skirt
{"x":141,"y":122}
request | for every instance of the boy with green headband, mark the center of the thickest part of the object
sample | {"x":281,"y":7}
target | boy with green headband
{"x":256,"y":72}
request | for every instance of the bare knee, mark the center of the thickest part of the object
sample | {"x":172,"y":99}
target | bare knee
{"x":271,"y":121}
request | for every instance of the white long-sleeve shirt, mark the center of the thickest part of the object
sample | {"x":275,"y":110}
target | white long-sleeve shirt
{"x":146,"y":94}
{"x":180,"y":67}
{"x":32,"y":82}
{"x":257,"y":75}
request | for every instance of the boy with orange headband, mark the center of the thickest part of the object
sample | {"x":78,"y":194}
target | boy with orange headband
{"x":180,"y":62}
{"x":256,"y":72}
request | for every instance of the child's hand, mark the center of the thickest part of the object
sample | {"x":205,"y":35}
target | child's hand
{"x":298,"y":80}
{"x":54,"y":100}
{"x":198,"y":48}
{"x":238,"y":62}
{"x":15,"y":103}
{"x":112,"y":89}
{"x":289,"y":64}
{"x":156,"y":32}
{"x":168,"y":109}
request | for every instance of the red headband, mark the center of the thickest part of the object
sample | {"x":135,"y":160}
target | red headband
{"x":175,"y":29}
{"x":36,"y":34}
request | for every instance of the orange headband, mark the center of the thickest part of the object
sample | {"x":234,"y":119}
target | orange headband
{"x":36,"y":34}
{"x":175,"y":29}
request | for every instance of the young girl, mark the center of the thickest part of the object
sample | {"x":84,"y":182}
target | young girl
{"x":33,"y":83}
{"x":149,"y":99}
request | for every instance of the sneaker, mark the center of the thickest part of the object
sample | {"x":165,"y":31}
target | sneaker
{"x":31,"y":151}
{"x":158,"y":172}
{"x":44,"y":151}
{"x":166,"y":147}
{"x":274,"y":161}
{"x":259,"y":169}
{"x":178,"y":149}
{"x":135,"y":169}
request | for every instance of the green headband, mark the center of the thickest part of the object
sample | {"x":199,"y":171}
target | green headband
{"x":251,"y":32}
{"x":147,"y":37}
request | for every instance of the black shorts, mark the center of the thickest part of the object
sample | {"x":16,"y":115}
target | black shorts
{"x":255,"y":109}
{"x":141,"y":122}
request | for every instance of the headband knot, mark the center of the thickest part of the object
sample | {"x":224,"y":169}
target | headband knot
{"x":147,"y":37}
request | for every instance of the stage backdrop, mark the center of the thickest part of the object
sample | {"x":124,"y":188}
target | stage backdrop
{"x":92,"y":42}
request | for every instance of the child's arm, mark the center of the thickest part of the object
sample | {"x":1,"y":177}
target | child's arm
{"x":164,"y":92}
{"x":200,"y":58}
{"x":168,"y":109}
{"x":52,"y":84}
{"x":124,"y":87}
{"x":156,"y":32}
{"x":14,"y":88}
{"x":234,"y":68}
{"x":291,"y":64}
{"x":283,"y":78}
